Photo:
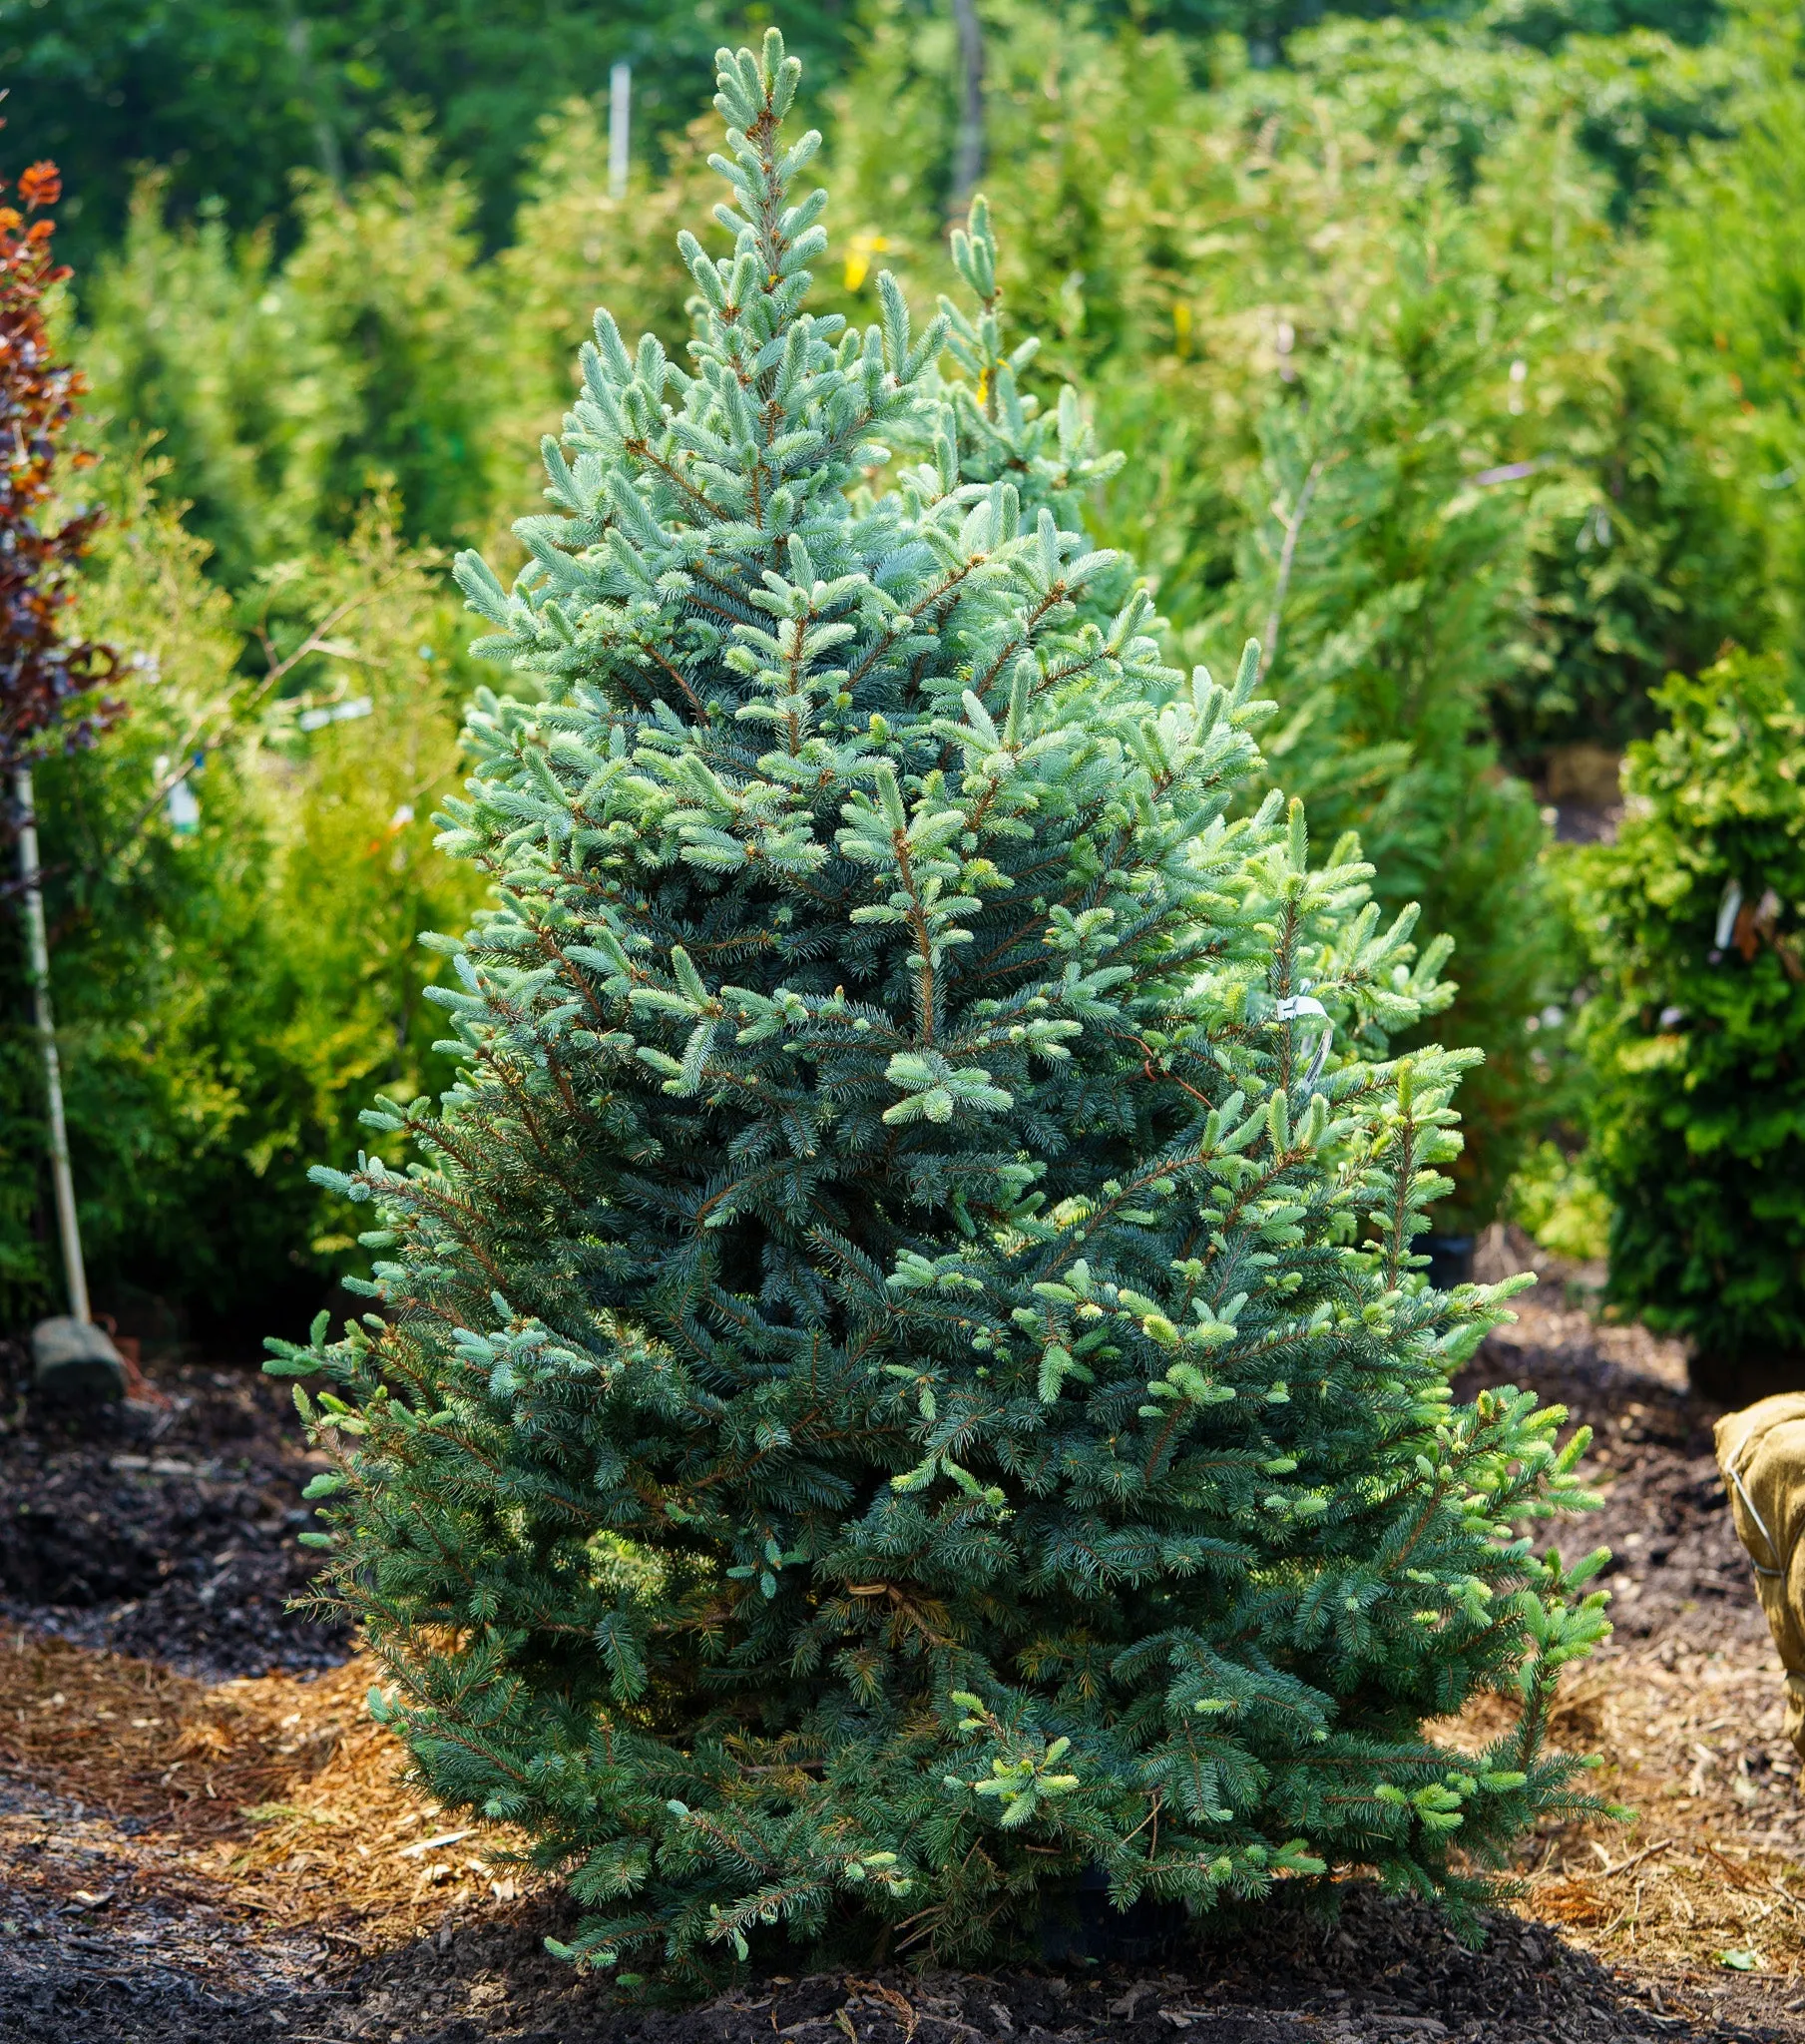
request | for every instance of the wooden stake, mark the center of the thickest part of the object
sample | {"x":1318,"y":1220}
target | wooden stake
{"x":38,"y":963}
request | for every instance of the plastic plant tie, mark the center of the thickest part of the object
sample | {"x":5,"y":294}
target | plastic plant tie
{"x":1294,"y":1005}
{"x":1773,"y":1546}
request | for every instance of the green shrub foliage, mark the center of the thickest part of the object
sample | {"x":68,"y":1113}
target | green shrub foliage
{"x":1697,"y":1038}
{"x":902,"y":1376}
{"x":1389,"y":599}
{"x":230,"y":988}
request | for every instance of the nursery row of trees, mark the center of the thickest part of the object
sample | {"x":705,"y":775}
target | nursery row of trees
{"x":906,"y":1389}
{"x":1456,"y":361}
{"x":232,"y":97}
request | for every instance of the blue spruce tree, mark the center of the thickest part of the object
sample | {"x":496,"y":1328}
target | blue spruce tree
{"x":901,"y":1375}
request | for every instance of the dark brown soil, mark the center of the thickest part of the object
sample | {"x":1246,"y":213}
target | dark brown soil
{"x":1385,"y":1973}
{"x":1675,"y":1556}
{"x":164,"y":1529}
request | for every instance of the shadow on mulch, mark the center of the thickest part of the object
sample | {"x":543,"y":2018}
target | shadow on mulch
{"x":1385,"y":1973}
{"x":164,"y":1530}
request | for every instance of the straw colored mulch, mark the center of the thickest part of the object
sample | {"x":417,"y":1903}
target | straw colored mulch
{"x":276,"y":1798}
{"x":1708,"y":1880}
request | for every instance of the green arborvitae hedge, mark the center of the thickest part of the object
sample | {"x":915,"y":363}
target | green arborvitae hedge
{"x":1698,"y":1037}
{"x":902,"y":1376}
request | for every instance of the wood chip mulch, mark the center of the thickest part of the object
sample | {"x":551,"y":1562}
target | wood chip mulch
{"x":239,"y":1861}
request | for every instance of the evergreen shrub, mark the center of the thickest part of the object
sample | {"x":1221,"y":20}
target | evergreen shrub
{"x":901,"y":1378}
{"x":1696,"y":1036}
{"x":230,"y":987}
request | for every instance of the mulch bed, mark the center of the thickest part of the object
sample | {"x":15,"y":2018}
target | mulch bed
{"x":203,"y":1838}
{"x":1385,"y":1973}
{"x":164,"y":1529}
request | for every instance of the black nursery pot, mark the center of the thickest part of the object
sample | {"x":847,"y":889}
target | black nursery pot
{"x":1081,"y":1923}
{"x":1450,"y":1260}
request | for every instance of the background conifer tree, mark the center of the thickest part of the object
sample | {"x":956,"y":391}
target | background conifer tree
{"x":902,"y":1374}
{"x":1391,"y":598}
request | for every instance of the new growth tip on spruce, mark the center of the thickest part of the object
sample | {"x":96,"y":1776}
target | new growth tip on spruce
{"x":901,"y":1378}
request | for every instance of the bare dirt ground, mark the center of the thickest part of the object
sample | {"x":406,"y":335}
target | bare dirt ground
{"x":203,"y":1838}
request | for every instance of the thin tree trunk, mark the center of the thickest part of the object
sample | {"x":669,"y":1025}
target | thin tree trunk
{"x":1288,"y":556}
{"x":968,"y":159}
{"x":38,"y":957}
{"x":299,"y":34}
